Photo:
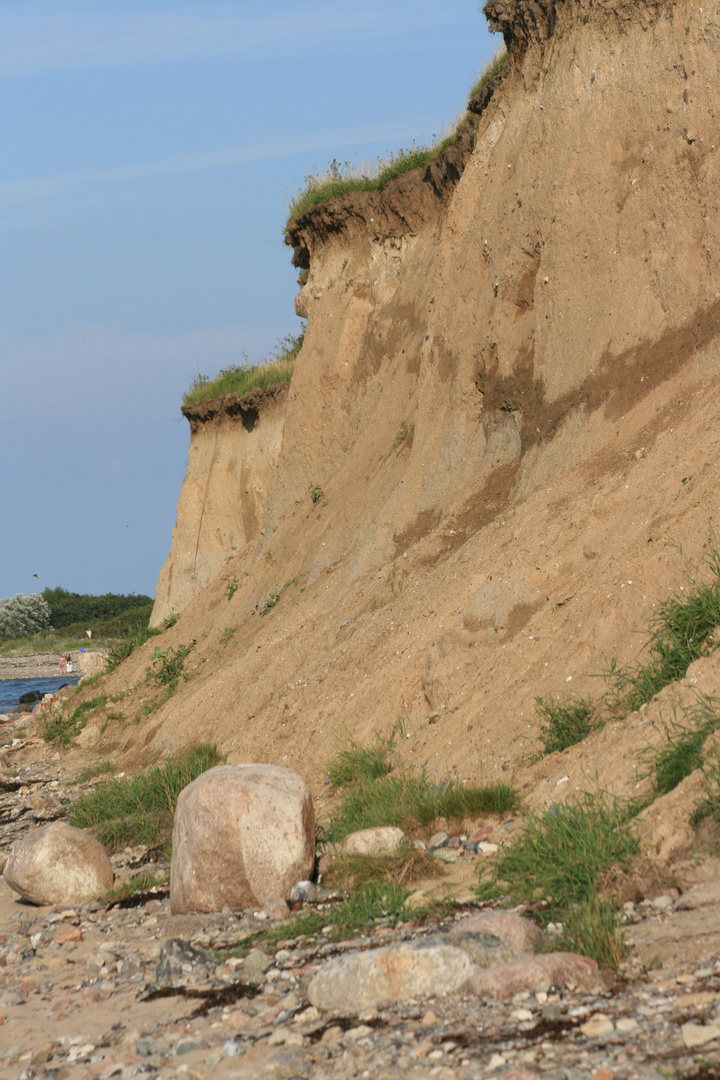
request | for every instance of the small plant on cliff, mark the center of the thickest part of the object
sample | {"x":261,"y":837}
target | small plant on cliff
{"x":683,"y":630}
{"x":166,"y":665}
{"x":232,"y":589}
{"x":139,"y":809}
{"x":315,"y":492}
{"x":564,"y":723}
{"x":401,"y":435}
{"x":60,"y":726}
{"x":239,"y":379}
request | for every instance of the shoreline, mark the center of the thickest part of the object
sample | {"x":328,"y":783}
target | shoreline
{"x":47,"y":665}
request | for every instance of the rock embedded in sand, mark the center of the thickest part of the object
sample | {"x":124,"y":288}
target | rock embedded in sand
{"x":384,"y":840}
{"x":243,"y":834}
{"x":505,"y":980}
{"x":58,"y":864}
{"x":395,"y":973}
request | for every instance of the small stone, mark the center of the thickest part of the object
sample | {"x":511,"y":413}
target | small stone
{"x":699,"y":1034}
{"x":496,"y":1062}
{"x":446,"y":855}
{"x":484,"y":847}
{"x":626,"y":1024}
{"x":437,"y":840}
{"x":522,"y":1014}
{"x":65,"y":933}
{"x":256,"y":961}
{"x":276,"y":909}
{"x":429,"y":1019}
{"x":597,"y":1026}
{"x":662,"y":903}
{"x":603,"y":1074}
{"x":238,"y":1019}
{"x":380,"y":841}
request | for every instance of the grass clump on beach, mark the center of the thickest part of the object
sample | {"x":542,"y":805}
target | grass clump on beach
{"x":62,"y":725}
{"x":557,"y":859}
{"x":239,"y":379}
{"x":376,"y":792}
{"x":139,"y":809}
{"x":342,"y":178}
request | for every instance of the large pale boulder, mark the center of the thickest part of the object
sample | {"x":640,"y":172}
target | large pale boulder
{"x":242,"y":835}
{"x":58,"y":864}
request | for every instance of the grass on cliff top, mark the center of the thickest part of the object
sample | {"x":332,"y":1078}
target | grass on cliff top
{"x":239,"y":379}
{"x":374,"y":791}
{"x":139,"y":809}
{"x":341,"y":178}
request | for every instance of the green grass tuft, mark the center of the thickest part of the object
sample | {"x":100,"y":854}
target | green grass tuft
{"x":558,"y":858}
{"x":354,"y":763}
{"x":239,"y":379}
{"x":681,"y":632}
{"x":129,"y":889}
{"x":682,"y":751}
{"x":103,"y":768}
{"x":166,"y":666}
{"x":139,"y":809}
{"x":408,"y":801}
{"x":62,"y":725}
{"x":121,"y":649}
{"x":563,"y":723}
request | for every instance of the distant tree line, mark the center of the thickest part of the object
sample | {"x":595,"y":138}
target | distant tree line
{"x":67,"y":608}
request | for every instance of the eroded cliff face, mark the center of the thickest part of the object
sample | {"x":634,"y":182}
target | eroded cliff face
{"x":540,"y":315}
{"x":234,"y":446}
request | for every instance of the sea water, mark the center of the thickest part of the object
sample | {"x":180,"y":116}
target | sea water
{"x":11,"y":690}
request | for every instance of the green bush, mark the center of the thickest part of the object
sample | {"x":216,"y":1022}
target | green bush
{"x":21,"y":616}
{"x":139,"y":809}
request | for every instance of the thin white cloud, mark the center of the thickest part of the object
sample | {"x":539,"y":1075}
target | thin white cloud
{"x":13,"y":192}
{"x":34,"y":38}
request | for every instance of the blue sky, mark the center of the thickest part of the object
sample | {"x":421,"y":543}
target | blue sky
{"x":149,"y":150}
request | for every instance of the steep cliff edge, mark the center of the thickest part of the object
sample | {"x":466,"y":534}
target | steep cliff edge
{"x":234,"y":446}
{"x":508,"y":395}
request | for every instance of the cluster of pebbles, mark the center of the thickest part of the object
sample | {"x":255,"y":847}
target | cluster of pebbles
{"x":135,"y":991}
{"x":126,"y":989}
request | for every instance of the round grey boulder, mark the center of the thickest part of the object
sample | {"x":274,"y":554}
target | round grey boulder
{"x":58,"y":864}
{"x":242,"y":834}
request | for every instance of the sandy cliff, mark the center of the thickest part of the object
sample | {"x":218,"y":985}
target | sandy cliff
{"x":541,"y":313}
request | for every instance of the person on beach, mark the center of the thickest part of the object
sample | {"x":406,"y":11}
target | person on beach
{"x":69,"y":664}
{"x":63,"y":663}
